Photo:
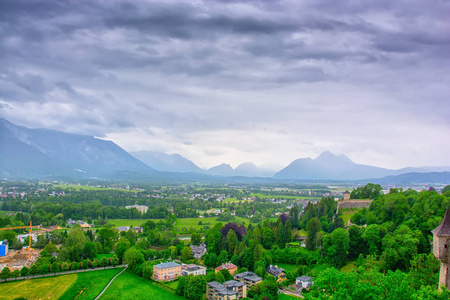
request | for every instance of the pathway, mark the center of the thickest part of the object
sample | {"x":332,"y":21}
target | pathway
{"x":110,"y":283}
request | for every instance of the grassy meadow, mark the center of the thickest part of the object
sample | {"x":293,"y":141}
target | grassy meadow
{"x":130,"y":286}
{"x":89,"y":284}
{"x":39,"y":288}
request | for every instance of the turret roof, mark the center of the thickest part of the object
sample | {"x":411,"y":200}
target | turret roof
{"x":444,"y":228}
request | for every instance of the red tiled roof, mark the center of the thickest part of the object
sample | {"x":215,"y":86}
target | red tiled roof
{"x":226,"y":266}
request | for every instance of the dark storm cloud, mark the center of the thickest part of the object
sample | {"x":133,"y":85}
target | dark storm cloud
{"x":188,"y":74}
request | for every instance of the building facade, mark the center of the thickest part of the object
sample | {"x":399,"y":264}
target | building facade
{"x":229,"y":290}
{"x":441,"y":248}
{"x":166,"y":271}
{"x":278,"y":273}
{"x":249,"y":278}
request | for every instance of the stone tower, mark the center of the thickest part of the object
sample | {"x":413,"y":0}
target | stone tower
{"x":346,"y":195}
{"x":441,"y":248}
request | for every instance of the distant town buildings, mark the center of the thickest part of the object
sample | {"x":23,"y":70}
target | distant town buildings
{"x":123,"y":228}
{"x":229,"y":290}
{"x":166,"y":271}
{"x":229,"y":266}
{"x":141,"y":208}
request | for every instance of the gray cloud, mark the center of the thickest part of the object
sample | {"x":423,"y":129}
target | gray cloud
{"x":218,"y":81}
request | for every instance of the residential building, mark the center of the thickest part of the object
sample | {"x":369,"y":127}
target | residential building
{"x":192,"y":269}
{"x":166,"y":271}
{"x":303,"y":282}
{"x":137,"y":229}
{"x":278,"y":273}
{"x":123,"y":228}
{"x":229,"y":266}
{"x":198,"y":251}
{"x":229,"y":290}
{"x":249,"y":278}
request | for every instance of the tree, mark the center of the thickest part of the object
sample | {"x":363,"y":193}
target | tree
{"x":24,"y":271}
{"x":104,"y":262}
{"x":373,"y":236}
{"x":196,"y":238}
{"x":34,"y":269}
{"x":335,"y":247}
{"x":107,"y":237}
{"x":122,"y":246}
{"x":424,"y":271}
{"x":114,"y":260}
{"x":90,"y":250}
{"x":55,"y":267}
{"x":232,"y":241}
{"x":313,"y":227}
{"x":15,"y":273}
{"x":133,"y":257}
{"x":356,"y":242}
{"x":223,"y":257}
{"x":186,"y":253}
{"x":5,"y":274}
{"x":210,"y":260}
{"x":147,"y":269}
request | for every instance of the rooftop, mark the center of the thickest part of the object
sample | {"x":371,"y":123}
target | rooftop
{"x":166,"y":265}
{"x":444,"y":228}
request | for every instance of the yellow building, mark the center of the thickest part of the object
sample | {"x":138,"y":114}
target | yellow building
{"x":278,"y":273}
{"x":166,"y":271}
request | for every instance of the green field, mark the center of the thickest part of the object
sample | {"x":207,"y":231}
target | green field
{"x":39,"y":288}
{"x":89,"y":284}
{"x":131,"y":286}
{"x":65,"y":287}
{"x":346,"y":215}
{"x":288,"y":267}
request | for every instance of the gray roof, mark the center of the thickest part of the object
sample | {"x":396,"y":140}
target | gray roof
{"x":274,"y":270}
{"x":166,"y":265}
{"x":224,"y":289}
{"x":303,"y":278}
{"x":233,"y":283}
{"x":444,"y":228}
{"x":250,"y":276}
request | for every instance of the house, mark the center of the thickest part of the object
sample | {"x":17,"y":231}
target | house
{"x":71,"y":222}
{"x":192,"y":269}
{"x":198,"y":251}
{"x":137,"y":229}
{"x":229,"y":266}
{"x":302,"y":241}
{"x":303,"y":282}
{"x":249,"y":278}
{"x":123,"y":228}
{"x":166,"y":271}
{"x":276,"y":272}
{"x":229,"y":290}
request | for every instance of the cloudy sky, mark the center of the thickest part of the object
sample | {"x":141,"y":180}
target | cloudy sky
{"x":235,"y":81}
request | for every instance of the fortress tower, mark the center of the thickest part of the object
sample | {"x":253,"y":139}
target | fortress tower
{"x":441,"y":248}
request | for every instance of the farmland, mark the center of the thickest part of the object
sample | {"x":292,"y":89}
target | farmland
{"x":131,"y":286}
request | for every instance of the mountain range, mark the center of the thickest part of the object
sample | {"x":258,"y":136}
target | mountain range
{"x":38,"y":153}
{"x":48,"y":153}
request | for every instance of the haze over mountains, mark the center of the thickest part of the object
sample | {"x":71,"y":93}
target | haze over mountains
{"x":36,"y":153}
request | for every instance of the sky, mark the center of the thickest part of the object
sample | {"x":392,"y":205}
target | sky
{"x":235,"y":81}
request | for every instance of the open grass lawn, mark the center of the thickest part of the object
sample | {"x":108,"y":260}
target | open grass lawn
{"x":172,"y":284}
{"x":89,"y":284}
{"x":107,"y":255}
{"x":130,"y":286}
{"x":347,"y":214}
{"x":39,"y":288}
{"x":288,"y":267}
{"x":319,"y":268}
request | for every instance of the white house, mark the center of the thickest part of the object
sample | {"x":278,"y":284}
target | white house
{"x":303,"y":282}
{"x":192,"y":269}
